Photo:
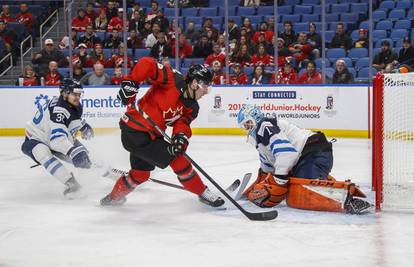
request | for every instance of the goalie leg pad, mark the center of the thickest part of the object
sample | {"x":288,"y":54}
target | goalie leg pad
{"x":319,"y":195}
{"x":188,"y":177}
{"x":268,"y":193}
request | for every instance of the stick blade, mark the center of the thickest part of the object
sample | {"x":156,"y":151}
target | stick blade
{"x":262,"y":216}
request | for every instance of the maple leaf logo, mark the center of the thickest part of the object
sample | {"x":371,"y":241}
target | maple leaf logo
{"x":171,"y":115}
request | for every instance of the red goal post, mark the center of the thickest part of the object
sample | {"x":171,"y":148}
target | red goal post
{"x":393,"y":141}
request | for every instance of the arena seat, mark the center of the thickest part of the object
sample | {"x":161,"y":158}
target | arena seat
{"x":208,"y":12}
{"x":335,"y":53}
{"x":340,"y":8}
{"x":398,"y":34}
{"x":384,"y":25}
{"x":378,"y":15}
{"x":356,"y":53}
{"x":403,"y":24}
{"x":396,"y":14}
{"x":362,"y":63}
{"x":246,"y":11}
{"x":299,"y":9}
{"x":310,"y":18}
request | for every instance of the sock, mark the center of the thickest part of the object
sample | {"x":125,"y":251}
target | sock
{"x":187,"y":176}
{"x":126,"y":184}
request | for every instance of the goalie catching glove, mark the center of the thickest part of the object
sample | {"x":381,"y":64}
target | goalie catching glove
{"x":269,"y":192}
{"x":128,"y":90}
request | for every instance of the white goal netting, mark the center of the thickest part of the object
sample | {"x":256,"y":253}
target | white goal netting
{"x":398,"y":141}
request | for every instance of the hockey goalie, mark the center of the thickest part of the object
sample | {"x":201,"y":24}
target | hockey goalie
{"x":294,"y":165}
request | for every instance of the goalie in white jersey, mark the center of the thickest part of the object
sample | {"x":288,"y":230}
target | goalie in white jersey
{"x":295,"y":164}
{"x":50,"y":135}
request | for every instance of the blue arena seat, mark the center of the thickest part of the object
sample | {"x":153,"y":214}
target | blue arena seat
{"x":139,"y":53}
{"x":349,"y":17}
{"x":216,"y":19}
{"x":189,"y":12}
{"x":293,"y":18}
{"x":364,"y":25}
{"x":232,"y":11}
{"x":283,"y":10}
{"x":300,"y":27}
{"x":377,"y":44}
{"x":410,"y":13}
{"x":396,"y":14}
{"x":335,"y":53}
{"x":329,"y":72}
{"x":237,"y":19}
{"x":356,"y":53}
{"x":362,"y":63}
{"x":403,"y":24}
{"x":398,"y":34}
{"x":265,"y":10}
{"x":359,"y":8}
{"x":318,"y":63}
{"x":384,"y":25}
{"x":404,"y":4}
{"x":352,"y":71}
{"x":107,"y":52}
{"x":311,"y":17}
{"x":170,"y":12}
{"x":363,"y":73}
{"x":378,"y":15}
{"x":208,"y":12}
{"x":355,"y":35}
{"x":292,"y":2}
{"x":18,"y":28}
{"x":379,"y":34}
{"x":215,"y":3}
{"x":246,"y":11}
{"x":341,"y":8}
{"x":332,"y":17}
{"x":329,"y":35}
{"x":303,"y":9}
{"x":196,"y":20}
{"x":311,"y":2}
{"x":385,"y":5}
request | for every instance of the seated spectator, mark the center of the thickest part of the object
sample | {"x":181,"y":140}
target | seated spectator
{"x":286,"y":74}
{"x":315,"y":40}
{"x":89,"y":37}
{"x":384,"y":59}
{"x":282,"y":52}
{"x":238,"y":76}
{"x":90,"y":12}
{"x":362,"y":41}
{"x":81,"y":57}
{"x":117,"y":59}
{"x":311,"y":76}
{"x":341,"y":39}
{"x":221,"y":41}
{"x":160,"y":49}
{"x":254,"y":3}
{"x":289,"y":36}
{"x":247,"y":26}
{"x":133,"y":40}
{"x":47,"y":54}
{"x":78,"y":72}
{"x":9,"y":37}
{"x":136,"y":23}
{"x":136,"y":7}
{"x":96,"y":77}
{"x":152,"y":38}
{"x":111,"y":10}
{"x":342,"y":74}
{"x":191,"y":32}
{"x":243,"y":41}
{"x":162,"y":21}
{"x":217,"y":55}
{"x":268,"y":34}
{"x":262,"y":42}
{"x":97,"y":56}
{"x":262,"y":58}
{"x":28,"y":78}
{"x":207,"y":27}
{"x":117,"y":22}
{"x":152,"y":13}
{"x":80,"y":22}
{"x":234,"y":31}
{"x":242,"y":57}
{"x":301,"y":50}
{"x":184,"y":48}
{"x":113,"y":40}
{"x":218,"y":76}
{"x":118,"y":77}
{"x":406,"y":54}
{"x":64,"y":43}
{"x":146,"y":30}
{"x":101,"y":22}
{"x":203,"y":48}
{"x":259,"y":76}
{"x":52,"y":77}
{"x":6,"y":15}
{"x":172,"y":32}
{"x":271,"y":23}
{"x":25,"y":17}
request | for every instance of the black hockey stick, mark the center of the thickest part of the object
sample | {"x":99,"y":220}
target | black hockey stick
{"x":259,"y":216}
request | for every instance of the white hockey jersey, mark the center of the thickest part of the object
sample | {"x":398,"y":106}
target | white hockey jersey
{"x":55,"y":124}
{"x":279,"y":144}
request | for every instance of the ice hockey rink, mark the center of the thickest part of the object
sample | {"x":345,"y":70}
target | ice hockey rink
{"x":163,"y":226}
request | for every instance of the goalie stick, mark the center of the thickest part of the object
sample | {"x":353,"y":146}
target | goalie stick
{"x":259,"y":216}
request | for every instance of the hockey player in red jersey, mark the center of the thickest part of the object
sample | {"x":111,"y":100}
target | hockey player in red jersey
{"x":171,"y":101}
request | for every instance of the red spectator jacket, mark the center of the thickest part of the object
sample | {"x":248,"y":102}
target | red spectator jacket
{"x":116,"y":23}
{"x":53,"y":79}
{"x":218,"y":78}
{"x":265,"y":60}
{"x":183,"y":51}
{"x":116,"y":80}
{"x":30,"y":81}
{"x":268,"y":36}
{"x":239,"y":79}
{"x":93,"y":15}
{"x":221,"y":57}
{"x":316,"y":78}
{"x":27,"y":19}
{"x":163,"y":102}
{"x":7,"y":18}
{"x":80,"y":24}
{"x":118,"y":60}
{"x":304,"y":54}
{"x":284,"y":78}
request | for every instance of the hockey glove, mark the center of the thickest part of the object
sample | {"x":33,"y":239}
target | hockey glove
{"x":128,"y":90}
{"x":86,"y":131}
{"x":79,"y":157}
{"x":179,"y":144}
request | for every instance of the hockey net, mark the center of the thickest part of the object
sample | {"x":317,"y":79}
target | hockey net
{"x":393,"y":141}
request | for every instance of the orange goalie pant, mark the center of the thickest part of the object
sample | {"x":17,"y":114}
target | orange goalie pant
{"x":320,"y":195}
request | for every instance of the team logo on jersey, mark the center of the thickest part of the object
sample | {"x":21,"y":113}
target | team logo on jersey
{"x":171,"y":115}
{"x":330,"y":108}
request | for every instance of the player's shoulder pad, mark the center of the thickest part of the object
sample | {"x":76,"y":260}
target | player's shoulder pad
{"x":265,"y":129}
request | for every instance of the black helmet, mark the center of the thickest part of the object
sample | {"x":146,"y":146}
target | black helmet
{"x":71,"y":86}
{"x":200,"y":73}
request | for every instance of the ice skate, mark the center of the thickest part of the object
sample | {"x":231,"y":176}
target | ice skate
{"x":109,"y":201}
{"x":357,"y":206}
{"x":211,"y":199}
{"x":73,"y":189}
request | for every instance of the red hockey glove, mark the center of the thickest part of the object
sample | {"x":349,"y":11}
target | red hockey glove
{"x":179,"y":144}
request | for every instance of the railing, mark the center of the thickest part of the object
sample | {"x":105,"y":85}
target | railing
{"x":9,"y":55}
{"x":22,"y":54}
{"x":42,"y":35}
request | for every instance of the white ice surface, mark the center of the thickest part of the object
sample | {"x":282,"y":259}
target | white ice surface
{"x":161,"y":226}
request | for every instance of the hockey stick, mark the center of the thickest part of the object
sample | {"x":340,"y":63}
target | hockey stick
{"x":259,"y":216}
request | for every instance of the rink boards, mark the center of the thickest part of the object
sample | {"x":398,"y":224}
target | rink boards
{"x":341,"y":111}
